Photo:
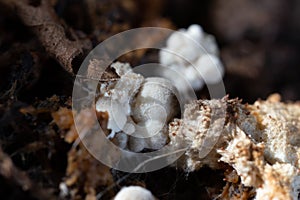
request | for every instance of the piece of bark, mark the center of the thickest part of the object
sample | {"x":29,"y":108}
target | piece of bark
{"x":41,"y":18}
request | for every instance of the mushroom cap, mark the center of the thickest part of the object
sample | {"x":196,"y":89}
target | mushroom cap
{"x":134,"y":192}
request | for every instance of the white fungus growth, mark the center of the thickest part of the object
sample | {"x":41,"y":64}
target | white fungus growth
{"x":260,"y":142}
{"x":281,"y":133}
{"x":194,"y":55}
{"x":138,"y":107}
{"x":152,"y":109}
{"x":134,"y":192}
{"x":117,"y":96}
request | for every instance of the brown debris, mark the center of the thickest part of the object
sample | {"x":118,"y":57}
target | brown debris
{"x":41,"y":18}
{"x":85,"y":175}
{"x":9,"y":171}
{"x":63,"y":118}
{"x":234,"y":189}
{"x":98,"y":71}
{"x":21,"y":179}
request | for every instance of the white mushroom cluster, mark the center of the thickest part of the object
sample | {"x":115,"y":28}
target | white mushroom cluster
{"x":139,"y":109}
{"x":194,"y":55}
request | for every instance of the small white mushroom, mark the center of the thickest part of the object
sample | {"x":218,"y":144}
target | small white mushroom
{"x":64,"y":191}
{"x":153,"y":107}
{"x":139,"y":107}
{"x":155,"y":103}
{"x":134,"y":192}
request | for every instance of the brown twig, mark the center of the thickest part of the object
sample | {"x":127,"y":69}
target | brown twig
{"x":40,"y":17}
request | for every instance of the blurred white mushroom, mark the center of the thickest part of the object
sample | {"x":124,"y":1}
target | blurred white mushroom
{"x":194,"y":55}
{"x":134,"y":192}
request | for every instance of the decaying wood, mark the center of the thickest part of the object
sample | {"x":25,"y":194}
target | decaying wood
{"x":41,"y":18}
{"x":261,"y":142}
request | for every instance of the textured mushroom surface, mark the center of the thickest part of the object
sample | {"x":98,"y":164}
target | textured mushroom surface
{"x":139,"y":108}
